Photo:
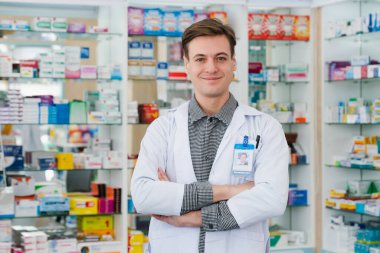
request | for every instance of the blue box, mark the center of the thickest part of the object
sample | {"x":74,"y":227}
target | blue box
{"x":63,"y":114}
{"x":16,"y":163}
{"x":297,"y":198}
{"x":170,"y":23}
{"x":47,"y":164}
{"x":52,"y":116}
{"x":12,"y":150}
{"x":360,"y":208}
{"x":153,"y":22}
{"x":54,"y":204}
{"x":134,"y":50}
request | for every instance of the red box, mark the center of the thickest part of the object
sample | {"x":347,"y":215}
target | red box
{"x":288,"y":27}
{"x":256,"y":26}
{"x":273,"y":26}
{"x":148,"y":113}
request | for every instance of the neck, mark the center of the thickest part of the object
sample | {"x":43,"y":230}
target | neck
{"x":212,"y":105}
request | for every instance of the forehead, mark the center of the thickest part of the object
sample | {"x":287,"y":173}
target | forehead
{"x":209,"y":45}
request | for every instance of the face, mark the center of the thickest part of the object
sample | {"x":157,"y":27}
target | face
{"x":210,"y":66}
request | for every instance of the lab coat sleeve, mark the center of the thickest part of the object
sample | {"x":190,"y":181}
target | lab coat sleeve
{"x":151,"y":196}
{"x":268,"y":198}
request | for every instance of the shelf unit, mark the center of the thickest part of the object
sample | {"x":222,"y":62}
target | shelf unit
{"x":275,"y":53}
{"x":104,"y":49}
{"x":336,"y":137}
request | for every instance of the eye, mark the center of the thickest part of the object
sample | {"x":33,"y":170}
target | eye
{"x":199,"y":60}
{"x":221,"y":58}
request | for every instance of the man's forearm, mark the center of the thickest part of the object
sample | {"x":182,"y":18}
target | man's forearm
{"x":201,"y":194}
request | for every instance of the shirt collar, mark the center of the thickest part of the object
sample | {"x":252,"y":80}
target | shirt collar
{"x":225,"y":114}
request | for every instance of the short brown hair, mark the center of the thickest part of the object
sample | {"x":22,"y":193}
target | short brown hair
{"x":208,"y":27}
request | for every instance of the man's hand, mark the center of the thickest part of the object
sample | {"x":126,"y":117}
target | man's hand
{"x":191,"y":219}
{"x":162,"y":175}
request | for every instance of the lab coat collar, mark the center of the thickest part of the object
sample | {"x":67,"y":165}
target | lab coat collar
{"x":182,"y":145}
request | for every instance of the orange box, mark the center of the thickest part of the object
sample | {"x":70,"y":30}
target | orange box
{"x":272,"y":25}
{"x":221,"y":15}
{"x":302,"y":28}
{"x":288,"y":27}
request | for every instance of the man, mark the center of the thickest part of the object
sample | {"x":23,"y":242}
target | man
{"x":185,"y":175}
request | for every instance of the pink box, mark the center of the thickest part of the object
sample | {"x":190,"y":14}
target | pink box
{"x":88,"y":72}
{"x":76,"y":28}
{"x":135,"y":21}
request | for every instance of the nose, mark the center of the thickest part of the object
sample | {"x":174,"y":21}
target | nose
{"x":211,"y":66}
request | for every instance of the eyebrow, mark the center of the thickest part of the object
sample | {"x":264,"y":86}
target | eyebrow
{"x":218,"y":54}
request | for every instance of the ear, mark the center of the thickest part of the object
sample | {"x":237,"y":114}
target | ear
{"x":186,"y":62}
{"x":234,"y":62}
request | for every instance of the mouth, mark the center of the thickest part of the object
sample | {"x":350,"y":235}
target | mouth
{"x":211,"y":78}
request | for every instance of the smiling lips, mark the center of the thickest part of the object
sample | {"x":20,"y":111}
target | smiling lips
{"x":212,"y":78}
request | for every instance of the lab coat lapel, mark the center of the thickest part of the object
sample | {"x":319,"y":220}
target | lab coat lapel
{"x":182,"y":156}
{"x":237,"y":122}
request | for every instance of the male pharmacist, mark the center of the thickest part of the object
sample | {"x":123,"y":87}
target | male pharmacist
{"x":188,"y":175}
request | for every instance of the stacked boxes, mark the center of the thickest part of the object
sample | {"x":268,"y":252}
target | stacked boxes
{"x":72,"y":57}
{"x":5,"y":236}
{"x":31,"y":110}
{"x":106,"y":107}
{"x":15,"y":108}
{"x":59,"y":63}
{"x":132,"y":113}
{"x":14,"y":161}
{"x":46,"y":65}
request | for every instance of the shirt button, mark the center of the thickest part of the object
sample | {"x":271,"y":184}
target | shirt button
{"x":210,"y":226}
{"x":210,"y":119}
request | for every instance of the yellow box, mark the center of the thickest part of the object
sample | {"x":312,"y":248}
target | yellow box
{"x":65,"y":161}
{"x":135,"y":249}
{"x":135,"y":238}
{"x":83,"y":205}
{"x":100,"y":233}
{"x":89,"y":223}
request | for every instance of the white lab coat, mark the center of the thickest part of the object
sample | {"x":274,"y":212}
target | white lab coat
{"x":166,"y":145}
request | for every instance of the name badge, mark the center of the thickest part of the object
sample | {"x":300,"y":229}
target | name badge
{"x":243,"y":158}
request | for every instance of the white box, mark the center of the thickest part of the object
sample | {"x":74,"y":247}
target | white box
{"x":88,"y":72}
{"x":59,"y":24}
{"x":26,"y":208}
{"x":92,"y":161}
{"x":100,"y":247}
{"x":41,"y":24}
{"x":26,"y":72}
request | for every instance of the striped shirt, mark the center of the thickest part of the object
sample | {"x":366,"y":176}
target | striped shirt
{"x":205,"y":134}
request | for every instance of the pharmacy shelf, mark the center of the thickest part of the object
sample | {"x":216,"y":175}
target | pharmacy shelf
{"x":54,"y":215}
{"x":346,"y":167}
{"x":298,"y":165}
{"x":353,"y":212}
{"x":69,"y":124}
{"x":253,"y":83}
{"x":363,"y":37}
{"x":294,"y":123}
{"x":352,"y":124}
{"x":146,"y":35}
{"x":295,"y":206}
{"x":57,"y":170}
{"x":39,"y":79}
{"x":304,"y":248}
{"x":365,"y":80}
{"x":51,"y":36}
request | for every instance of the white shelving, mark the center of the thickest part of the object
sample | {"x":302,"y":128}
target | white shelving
{"x":336,"y":137}
{"x":108,"y":49}
{"x":299,"y":218}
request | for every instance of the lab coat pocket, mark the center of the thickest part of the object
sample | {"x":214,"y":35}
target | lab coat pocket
{"x":169,"y":239}
{"x":216,"y":242}
{"x":247,"y":241}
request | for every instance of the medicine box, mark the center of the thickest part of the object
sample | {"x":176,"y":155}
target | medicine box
{"x":65,"y":161}
{"x":297,"y":198}
{"x":152,"y":21}
{"x":95,"y":222}
{"x":134,"y":50}
{"x":100,"y":247}
{"x":54,"y":204}
{"x":83,"y":205}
